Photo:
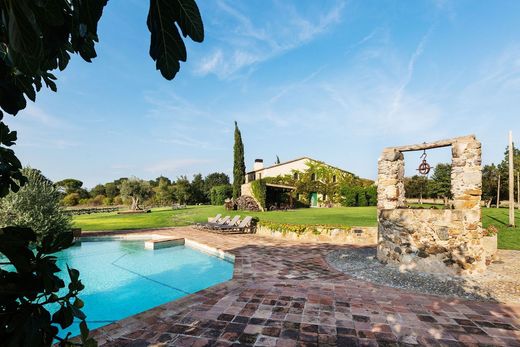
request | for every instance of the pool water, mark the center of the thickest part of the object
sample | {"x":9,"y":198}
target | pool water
{"x":122,"y":278}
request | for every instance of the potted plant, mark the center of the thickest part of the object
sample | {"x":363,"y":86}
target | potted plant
{"x":489,"y":240}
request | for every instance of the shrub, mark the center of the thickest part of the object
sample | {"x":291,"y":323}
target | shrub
{"x":84,"y":201}
{"x":97,"y":201}
{"x":358,"y":196}
{"x":349,"y":196}
{"x":71,"y":199}
{"x":220,"y":193}
{"x":36,"y":205}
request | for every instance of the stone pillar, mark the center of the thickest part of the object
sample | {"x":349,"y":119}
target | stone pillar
{"x":390,"y":180}
{"x":466,"y":188}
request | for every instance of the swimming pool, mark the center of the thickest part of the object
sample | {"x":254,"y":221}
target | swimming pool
{"x":122,"y":278}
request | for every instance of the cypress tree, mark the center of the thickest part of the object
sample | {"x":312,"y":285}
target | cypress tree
{"x":239,"y":167}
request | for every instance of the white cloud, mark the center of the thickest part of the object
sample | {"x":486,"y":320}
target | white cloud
{"x":33,"y":113}
{"x":363,"y":99}
{"x":398,"y":98}
{"x":210,"y":63}
{"x":244,"y":44}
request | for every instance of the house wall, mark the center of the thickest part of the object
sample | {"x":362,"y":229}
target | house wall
{"x":282,"y":169}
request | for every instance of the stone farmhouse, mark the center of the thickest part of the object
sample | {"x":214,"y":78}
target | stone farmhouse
{"x":278,"y":193}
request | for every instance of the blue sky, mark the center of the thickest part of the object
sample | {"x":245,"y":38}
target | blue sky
{"x":333,"y":80}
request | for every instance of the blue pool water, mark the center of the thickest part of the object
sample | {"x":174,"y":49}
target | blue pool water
{"x":121,"y":278}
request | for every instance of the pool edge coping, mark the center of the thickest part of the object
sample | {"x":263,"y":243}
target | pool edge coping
{"x":213,"y":251}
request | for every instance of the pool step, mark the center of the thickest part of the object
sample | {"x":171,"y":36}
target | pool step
{"x":163,"y":243}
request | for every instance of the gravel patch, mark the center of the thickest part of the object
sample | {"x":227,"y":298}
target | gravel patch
{"x":494,"y":285}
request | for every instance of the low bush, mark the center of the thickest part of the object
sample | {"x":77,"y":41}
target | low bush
{"x":36,"y":205}
{"x":97,"y":201}
{"x":71,"y":199}
{"x":300,"y":229}
{"x":358,"y":196}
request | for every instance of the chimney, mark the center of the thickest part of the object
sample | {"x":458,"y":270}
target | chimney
{"x":259,"y":164}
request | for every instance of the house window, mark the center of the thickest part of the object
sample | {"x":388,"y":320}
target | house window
{"x":334,"y":179}
{"x":313,"y":177}
{"x":259,"y":176}
{"x":295,"y":176}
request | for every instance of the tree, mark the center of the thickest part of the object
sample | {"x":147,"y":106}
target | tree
{"x":371,"y":194}
{"x":214,"y":179}
{"x":220,"y":193}
{"x":441,"y":181}
{"x":277,"y":160}
{"x":349,"y":196}
{"x":183,"y":190}
{"x":111,"y":190}
{"x":70,"y":185}
{"x":197,"y":190}
{"x":136,"y":189}
{"x":503,"y":169}
{"x":239,"y":166}
{"x":164,"y":193}
{"x":98,"y":190}
{"x":416,"y":186}
{"x":490,"y":183}
{"x":36,"y":205}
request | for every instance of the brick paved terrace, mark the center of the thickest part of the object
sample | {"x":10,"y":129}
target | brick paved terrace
{"x":285,"y":294}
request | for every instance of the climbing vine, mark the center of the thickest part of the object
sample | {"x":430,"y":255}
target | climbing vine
{"x":259,"y":190}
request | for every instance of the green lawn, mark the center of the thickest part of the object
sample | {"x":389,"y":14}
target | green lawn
{"x":166,"y":217}
{"x":509,"y":238}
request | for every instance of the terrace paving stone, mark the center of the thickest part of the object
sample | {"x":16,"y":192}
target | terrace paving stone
{"x":284,"y":293}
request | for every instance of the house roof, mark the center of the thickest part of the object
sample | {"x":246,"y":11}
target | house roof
{"x":298,"y":159}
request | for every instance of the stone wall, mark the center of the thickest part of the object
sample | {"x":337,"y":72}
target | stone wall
{"x":430,"y":240}
{"x":361,"y":236}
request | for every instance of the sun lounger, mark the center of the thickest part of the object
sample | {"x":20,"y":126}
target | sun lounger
{"x":229,"y":223}
{"x":213,"y":220}
{"x":242,"y":227}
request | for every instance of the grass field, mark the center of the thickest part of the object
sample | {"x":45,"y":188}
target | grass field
{"x":166,"y":217}
{"x":508,"y":238}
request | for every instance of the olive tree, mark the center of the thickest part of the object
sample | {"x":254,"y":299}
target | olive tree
{"x":36,"y":205}
{"x":136,"y":189}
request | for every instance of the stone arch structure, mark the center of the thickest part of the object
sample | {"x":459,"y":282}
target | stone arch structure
{"x":432,"y":240}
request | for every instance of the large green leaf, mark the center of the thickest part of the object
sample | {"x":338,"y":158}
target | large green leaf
{"x":167,"y":46}
{"x":14,"y":243}
{"x":24,"y":37}
{"x":189,"y":20}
